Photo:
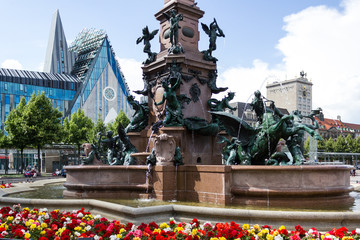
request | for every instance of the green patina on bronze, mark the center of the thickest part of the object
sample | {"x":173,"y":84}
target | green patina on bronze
{"x":140,"y":117}
{"x":257,"y":145}
{"x":174,"y":18}
{"x":147,"y":36}
{"x":213,"y":32}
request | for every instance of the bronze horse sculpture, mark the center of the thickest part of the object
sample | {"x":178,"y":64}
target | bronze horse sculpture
{"x":256,"y":145}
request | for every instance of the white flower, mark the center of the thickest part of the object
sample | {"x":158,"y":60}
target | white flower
{"x":133,"y":228}
{"x":77,"y":234}
{"x":88,"y":228}
{"x":80,"y":215}
{"x":23,"y":230}
{"x":187,"y":226}
{"x":68,"y":219}
{"x":310,"y":231}
{"x":357,"y":231}
{"x":11,"y":212}
{"x":97,"y":216}
{"x":113,"y":237}
{"x":96,"y":237}
{"x":43,"y":210}
{"x":46,"y":216}
{"x":278,"y":237}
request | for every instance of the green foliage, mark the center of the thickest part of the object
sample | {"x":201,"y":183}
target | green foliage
{"x":306,"y":145}
{"x":321,"y":145}
{"x":77,"y":129}
{"x":99,"y":127}
{"x":350,"y":144}
{"x":357,"y":145}
{"x":329,"y":145}
{"x":122,"y":118}
{"x":340,"y":144}
{"x":43,"y":120}
{"x":16,"y":127}
{"x":5,"y":141}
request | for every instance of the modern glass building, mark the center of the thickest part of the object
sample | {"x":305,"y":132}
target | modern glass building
{"x":14,"y":84}
{"x":85,"y":75}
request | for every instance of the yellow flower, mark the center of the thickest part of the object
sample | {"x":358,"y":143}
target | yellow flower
{"x":26,"y":209}
{"x":27,"y":235}
{"x":256,"y":227}
{"x":214,"y":238}
{"x":282,"y":227}
{"x":194,"y":232}
{"x":269,"y":237}
{"x":157,"y":230}
{"x":179,"y":229}
{"x":39,"y":228}
{"x":44,"y":225}
{"x":42,"y":232}
{"x":122,"y":230}
{"x":33,"y":226}
{"x":77,"y":229}
{"x":9,"y":218}
{"x":119,"y":236}
{"x":275,"y":233}
{"x":82,"y":224}
{"x":164,"y":225}
{"x":4,"y":225}
{"x":246,"y":227}
{"x":136,"y":238}
{"x":265,"y":231}
{"x":260,"y":234}
{"x":222,"y":238}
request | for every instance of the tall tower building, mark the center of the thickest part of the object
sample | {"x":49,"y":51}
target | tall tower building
{"x":293,"y":94}
{"x":58,"y":59}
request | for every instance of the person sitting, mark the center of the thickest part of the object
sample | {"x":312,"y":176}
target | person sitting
{"x":57,"y":172}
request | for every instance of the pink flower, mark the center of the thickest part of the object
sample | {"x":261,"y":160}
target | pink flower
{"x":138,"y":233}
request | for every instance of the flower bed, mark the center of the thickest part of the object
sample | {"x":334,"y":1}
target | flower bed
{"x":42,"y":224}
{"x":5,"y":185}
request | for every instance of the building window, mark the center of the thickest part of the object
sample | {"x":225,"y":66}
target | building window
{"x":5,"y":86}
{"x":21,"y":87}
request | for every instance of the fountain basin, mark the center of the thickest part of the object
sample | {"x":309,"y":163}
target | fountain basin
{"x":216,"y":184}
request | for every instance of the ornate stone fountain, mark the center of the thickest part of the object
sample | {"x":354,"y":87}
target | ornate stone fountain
{"x":178,"y":130}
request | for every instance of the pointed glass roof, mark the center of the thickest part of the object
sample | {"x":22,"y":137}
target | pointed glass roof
{"x":86,"y":46}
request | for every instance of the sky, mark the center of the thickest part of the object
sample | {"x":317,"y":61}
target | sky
{"x":265,"y":41}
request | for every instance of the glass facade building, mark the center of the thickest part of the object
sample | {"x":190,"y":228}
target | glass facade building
{"x":14,"y":84}
{"x":93,"y":82}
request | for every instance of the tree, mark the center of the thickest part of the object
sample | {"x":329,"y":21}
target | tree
{"x":43,"y":121}
{"x":307,"y":145}
{"x":16,"y":127}
{"x":350,"y":143}
{"x":77,"y":129}
{"x":5,"y":143}
{"x":329,"y":145}
{"x":340,"y":144}
{"x":357,"y":145}
{"x":99,"y":127}
{"x":122,"y":118}
{"x":321,"y":145}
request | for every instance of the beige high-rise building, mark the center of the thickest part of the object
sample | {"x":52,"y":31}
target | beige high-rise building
{"x":293,"y":94}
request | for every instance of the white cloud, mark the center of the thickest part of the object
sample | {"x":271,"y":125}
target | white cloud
{"x":325,"y":43}
{"x":322,"y":41}
{"x":12,"y":64}
{"x":244,"y":81}
{"x":133,"y":74}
